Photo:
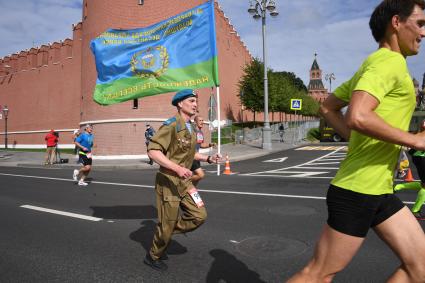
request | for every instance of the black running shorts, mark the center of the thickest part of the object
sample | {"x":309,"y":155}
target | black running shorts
{"x":354,"y":213}
{"x":85,"y":160}
{"x":419,"y":162}
{"x":195,"y":165}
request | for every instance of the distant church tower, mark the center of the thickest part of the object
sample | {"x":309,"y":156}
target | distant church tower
{"x":315,"y":86}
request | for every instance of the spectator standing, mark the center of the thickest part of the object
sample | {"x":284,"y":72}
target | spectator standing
{"x":51,"y":142}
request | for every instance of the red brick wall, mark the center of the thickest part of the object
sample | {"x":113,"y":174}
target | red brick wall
{"x":41,"y":97}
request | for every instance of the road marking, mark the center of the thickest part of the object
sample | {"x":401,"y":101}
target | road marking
{"x":64,"y":213}
{"x":70,"y":180}
{"x":319,"y":168}
{"x":311,"y":162}
{"x":276,"y":160}
{"x":293,"y":176}
{"x":206,"y":191}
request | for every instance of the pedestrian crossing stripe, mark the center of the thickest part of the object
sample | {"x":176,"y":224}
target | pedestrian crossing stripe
{"x":323,"y":147}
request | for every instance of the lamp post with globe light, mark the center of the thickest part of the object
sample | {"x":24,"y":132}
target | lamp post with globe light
{"x":330,"y":77}
{"x":258,"y":9}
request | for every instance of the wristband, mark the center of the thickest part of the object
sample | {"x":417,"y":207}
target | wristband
{"x":209,"y":159}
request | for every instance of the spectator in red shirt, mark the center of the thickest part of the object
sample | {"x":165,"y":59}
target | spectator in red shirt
{"x":51,"y":141}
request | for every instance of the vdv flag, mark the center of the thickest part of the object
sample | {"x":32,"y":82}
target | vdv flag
{"x":174,"y":54}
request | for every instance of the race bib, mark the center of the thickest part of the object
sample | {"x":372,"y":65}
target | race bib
{"x":199,"y":137}
{"x":194,"y":194}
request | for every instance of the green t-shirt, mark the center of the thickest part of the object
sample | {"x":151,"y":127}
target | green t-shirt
{"x":370,"y":163}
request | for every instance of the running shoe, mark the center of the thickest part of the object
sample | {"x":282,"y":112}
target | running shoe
{"x":157,"y":264}
{"x":75,"y":175}
{"x":82,"y":183}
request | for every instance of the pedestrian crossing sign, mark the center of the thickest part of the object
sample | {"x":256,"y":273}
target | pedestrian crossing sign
{"x":296,"y":104}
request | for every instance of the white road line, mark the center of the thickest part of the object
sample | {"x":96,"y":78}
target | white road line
{"x":64,"y":213}
{"x":276,"y":159}
{"x":324,"y":163}
{"x":294,"y":176}
{"x":299,"y":172}
{"x":70,"y":180}
{"x":206,"y":191}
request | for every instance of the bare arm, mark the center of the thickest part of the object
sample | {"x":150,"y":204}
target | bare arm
{"x":362,"y":118}
{"x":80,"y":146}
{"x":213,"y":159}
{"x":163,"y":161}
{"x":207,"y":145}
{"x":331,"y":111}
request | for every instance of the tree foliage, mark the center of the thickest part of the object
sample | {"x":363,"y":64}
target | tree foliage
{"x":283,"y":86}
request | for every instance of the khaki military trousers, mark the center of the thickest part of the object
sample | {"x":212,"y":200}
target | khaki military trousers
{"x":176,"y":213}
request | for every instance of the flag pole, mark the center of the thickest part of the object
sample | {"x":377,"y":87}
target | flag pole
{"x":218,"y":128}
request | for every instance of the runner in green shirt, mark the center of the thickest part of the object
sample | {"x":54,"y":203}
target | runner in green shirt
{"x":418,"y":158}
{"x":381,"y":100}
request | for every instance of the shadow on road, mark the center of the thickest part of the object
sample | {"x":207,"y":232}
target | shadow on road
{"x":227,"y":268}
{"x":144,"y":236}
{"x":125,"y":212}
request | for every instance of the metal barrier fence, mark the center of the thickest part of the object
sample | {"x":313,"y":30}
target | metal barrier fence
{"x":294,"y":132}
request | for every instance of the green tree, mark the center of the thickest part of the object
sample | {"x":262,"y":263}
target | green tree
{"x":283,"y":86}
{"x":251,"y":86}
{"x":294,"y":80}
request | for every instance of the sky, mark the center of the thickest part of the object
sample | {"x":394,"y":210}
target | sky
{"x":337,"y":30}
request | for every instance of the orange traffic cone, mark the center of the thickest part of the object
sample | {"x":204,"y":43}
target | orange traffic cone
{"x":227,"y":166}
{"x":409,"y":177}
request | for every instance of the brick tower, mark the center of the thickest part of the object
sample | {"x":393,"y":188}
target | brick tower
{"x":316,"y":88}
{"x":119,"y":127}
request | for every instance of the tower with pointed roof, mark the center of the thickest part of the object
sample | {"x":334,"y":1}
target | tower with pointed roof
{"x":316,"y":89}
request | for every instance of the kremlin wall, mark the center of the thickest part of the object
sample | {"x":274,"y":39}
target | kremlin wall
{"x":51,"y":87}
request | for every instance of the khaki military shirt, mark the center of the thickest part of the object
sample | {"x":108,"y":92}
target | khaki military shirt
{"x":178,"y":145}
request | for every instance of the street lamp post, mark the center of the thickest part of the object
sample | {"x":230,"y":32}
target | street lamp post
{"x":5,"y":113}
{"x":259,"y":10}
{"x":330,"y":77}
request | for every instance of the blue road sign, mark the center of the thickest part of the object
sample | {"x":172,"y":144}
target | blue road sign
{"x":296,"y":104}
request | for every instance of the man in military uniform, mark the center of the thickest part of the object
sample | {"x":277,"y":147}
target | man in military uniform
{"x":173,"y":148}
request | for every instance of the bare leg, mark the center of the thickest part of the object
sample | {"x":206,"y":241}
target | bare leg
{"x":332,"y":254}
{"x":84,"y":171}
{"x":405,"y":237}
{"x":198,"y":176}
{"x":48,"y":155}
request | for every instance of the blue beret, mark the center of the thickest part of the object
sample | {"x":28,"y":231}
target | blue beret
{"x":182,"y":95}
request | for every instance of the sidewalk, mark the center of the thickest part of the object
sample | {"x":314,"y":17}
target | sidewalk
{"x":36,"y":159}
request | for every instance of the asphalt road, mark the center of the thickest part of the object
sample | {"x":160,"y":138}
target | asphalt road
{"x":262,"y":225}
